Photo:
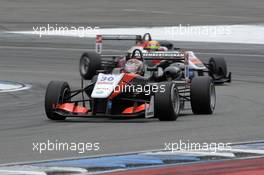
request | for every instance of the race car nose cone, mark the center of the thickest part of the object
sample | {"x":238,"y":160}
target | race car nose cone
{"x":9,"y":86}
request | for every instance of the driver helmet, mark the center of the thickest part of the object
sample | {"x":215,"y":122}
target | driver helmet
{"x":134,"y":66}
{"x":152,"y":45}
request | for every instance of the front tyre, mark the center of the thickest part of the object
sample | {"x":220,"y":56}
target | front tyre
{"x":57,"y":92}
{"x":167,"y":102}
{"x":203,"y":96}
{"x":218,"y":68}
{"x":90,"y":62}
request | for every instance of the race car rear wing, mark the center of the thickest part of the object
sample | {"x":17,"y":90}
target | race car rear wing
{"x":159,"y":55}
{"x":120,"y":37}
{"x":163,"y":55}
{"x":100,"y":38}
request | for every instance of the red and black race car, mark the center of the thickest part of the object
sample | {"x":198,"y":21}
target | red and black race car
{"x":132,"y":91}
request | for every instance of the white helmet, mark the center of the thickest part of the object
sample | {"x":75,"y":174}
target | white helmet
{"x":134,"y":66}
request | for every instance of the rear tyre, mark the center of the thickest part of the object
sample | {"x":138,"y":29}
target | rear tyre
{"x":90,"y":62}
{"x":167,"y":102}
{"x":203,"y":96}
{"x":57,"y":92}
{"x":218,"y":67}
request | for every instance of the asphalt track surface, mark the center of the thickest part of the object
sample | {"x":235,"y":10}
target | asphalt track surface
{"x":32,"y":60}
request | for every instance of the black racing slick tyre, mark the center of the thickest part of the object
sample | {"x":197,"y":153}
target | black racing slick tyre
{"x":90,"y":62}
{"x":166,"y":44}
{"x":57,"y":92}
{"x":203,"y":96}
{"x":218,"y":67}
{"x":167,"y":102}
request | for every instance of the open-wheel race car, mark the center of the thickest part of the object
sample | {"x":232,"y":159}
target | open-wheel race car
{"x":133,"y":89}
{"x":216,"y":67}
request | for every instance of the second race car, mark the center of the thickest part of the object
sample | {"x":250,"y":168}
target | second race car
{"x":216,"y":67}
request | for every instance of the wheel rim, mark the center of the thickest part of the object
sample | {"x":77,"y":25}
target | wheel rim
{"x":85,"y":64}
{"x":175,"y":100}
{"x":212,"y":96}
{"x":65,"y":94}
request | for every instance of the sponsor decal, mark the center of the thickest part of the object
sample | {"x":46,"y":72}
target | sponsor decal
{"x":161,"y":54}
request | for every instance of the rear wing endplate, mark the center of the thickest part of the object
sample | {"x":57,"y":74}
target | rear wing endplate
{"x":100,"y":38}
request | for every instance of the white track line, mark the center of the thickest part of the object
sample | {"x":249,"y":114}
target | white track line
{"x":248,"y":34}
{"x":117,"y":50}
{"x":35,"y":170}
{"x":21,"y":172}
